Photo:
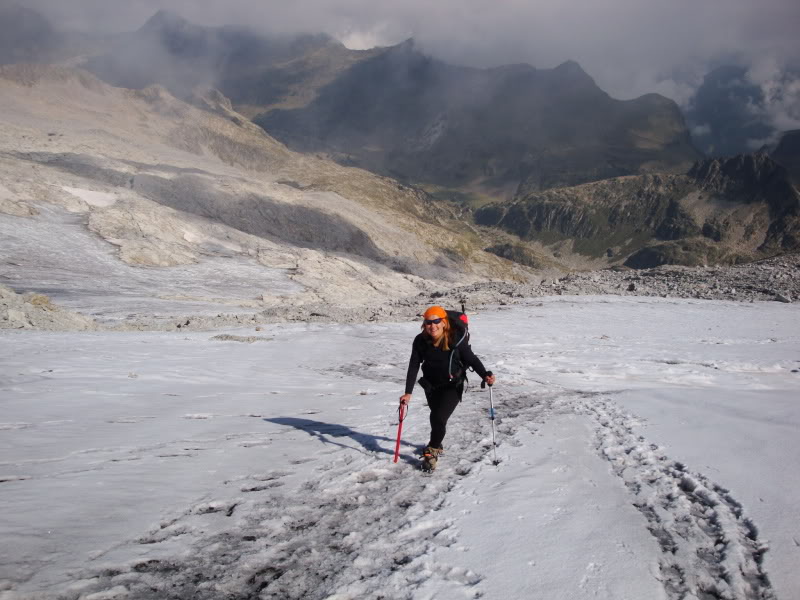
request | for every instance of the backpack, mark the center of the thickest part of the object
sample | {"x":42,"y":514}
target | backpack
{"x":460,"y":323}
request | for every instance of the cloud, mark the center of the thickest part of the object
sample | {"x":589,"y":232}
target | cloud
{"x":360,"y":39}
{"x":780,"y":85}
{"x":630,"y":47}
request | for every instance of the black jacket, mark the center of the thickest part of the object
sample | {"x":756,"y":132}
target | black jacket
{"x":435,"y":362}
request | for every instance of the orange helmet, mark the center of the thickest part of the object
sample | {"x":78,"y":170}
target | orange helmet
{"x":435,"y":312}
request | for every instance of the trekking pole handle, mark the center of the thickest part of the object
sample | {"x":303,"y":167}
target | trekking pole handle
{"x":483,"y":383}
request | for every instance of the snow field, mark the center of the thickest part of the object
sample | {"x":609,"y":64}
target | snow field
{"x":545,"y":525}
{"x":639,"y":440}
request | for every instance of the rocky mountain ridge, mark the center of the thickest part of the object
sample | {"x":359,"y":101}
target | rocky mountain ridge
{"x":720,"y":211}
{"x":486,"y":131}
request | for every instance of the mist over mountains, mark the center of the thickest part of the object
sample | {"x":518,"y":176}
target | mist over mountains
{"x":26,"y":35}
{"x":399,"y":112}
{"x":667,"y":49}
{"x":170,"y":51}
{"x":483,"y":130}
{"x":732,"y":114}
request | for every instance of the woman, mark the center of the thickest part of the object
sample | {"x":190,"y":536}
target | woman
{"x":444,"y":371}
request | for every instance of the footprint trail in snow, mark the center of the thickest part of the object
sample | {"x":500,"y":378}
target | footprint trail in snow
{"x":367,"y":528}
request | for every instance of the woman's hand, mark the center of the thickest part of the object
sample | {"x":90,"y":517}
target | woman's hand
{"x":405,"y":399}
{"x":490,"y":379}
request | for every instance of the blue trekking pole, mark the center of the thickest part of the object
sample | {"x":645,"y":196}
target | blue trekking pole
{"x":491,"y":416}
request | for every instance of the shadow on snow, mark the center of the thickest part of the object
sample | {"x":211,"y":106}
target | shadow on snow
{"x":326,"y":432}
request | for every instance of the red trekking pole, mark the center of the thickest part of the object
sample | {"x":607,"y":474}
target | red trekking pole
{"x":402,"y":411}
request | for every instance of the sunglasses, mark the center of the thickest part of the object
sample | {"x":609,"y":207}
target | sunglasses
{"x":431,"y":321}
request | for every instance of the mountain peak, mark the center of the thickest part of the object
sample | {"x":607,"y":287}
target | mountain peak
{"x":406,"y":46}
{"x":164,"y":20}
{"x":573,"y":72}
{"x":25,"y":34}
{"x":571,"y":67}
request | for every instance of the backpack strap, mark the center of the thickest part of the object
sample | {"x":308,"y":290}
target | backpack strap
{"x":453,"y":353}
{"x":460,"y":322}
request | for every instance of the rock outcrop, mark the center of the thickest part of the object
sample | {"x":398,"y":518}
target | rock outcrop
{"x":37,"y":311}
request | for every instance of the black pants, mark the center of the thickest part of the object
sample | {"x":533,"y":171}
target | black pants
{"x":442,"y":403}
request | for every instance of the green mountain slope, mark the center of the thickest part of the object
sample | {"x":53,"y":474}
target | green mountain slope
{"x":720,"y":211}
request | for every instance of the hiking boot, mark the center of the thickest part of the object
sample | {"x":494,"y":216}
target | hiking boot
{"x":430,"y":457}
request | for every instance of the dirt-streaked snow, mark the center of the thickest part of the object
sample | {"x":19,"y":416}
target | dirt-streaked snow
{"x":82,"y":272}
{"x":648,"y":449}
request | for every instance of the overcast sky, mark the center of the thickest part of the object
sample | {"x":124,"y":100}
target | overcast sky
{"x":629,"y":47}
